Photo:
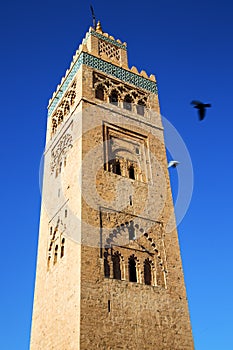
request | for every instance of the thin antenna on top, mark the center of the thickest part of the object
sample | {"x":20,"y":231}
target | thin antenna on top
{"x":93,"y":17}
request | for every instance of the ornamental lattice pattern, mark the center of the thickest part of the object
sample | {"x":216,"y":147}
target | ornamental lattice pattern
{"x":109,"y":50}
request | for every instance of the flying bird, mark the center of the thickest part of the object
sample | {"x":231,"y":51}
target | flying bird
{"x":173,"y":164}
{"x":201,"y":108}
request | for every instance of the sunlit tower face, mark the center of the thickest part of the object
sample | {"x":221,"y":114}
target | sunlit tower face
{"x":109,"y":276}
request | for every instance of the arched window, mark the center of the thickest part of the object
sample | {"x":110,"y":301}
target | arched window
{"x":62,"y":247}
{"x":127,"y":104}
{"x":113,"y":98}
{"x":99,"y":92}
{"x":132,"y":269}
{"x":131,"y":172}
{"x":116,"y":168}
{"x":141,"y":107}
{"x":55,"y":255}
{"x":116,"y":266}
{"x":147,"y":272}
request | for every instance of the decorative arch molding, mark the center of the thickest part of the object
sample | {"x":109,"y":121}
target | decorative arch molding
{"x":130,"y":241}
{"x":59,"y":153}
{"x":123,"y":92}
{"x":56,"y":243}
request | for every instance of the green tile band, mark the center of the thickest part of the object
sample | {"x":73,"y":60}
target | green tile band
{"x":110,"y":41}
{"x":107,"y":68}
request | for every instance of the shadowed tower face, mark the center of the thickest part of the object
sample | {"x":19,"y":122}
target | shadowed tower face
{"x":109,"y":273}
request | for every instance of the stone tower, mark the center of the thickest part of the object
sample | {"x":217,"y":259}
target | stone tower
{"x":109,"y":272}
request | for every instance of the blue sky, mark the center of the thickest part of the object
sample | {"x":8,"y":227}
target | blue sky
{"x":188,"y":46}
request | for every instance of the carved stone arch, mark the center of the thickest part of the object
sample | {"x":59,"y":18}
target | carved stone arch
{"x":128,"y":94}
{"x":114,"y":95}
{"x":107,"y":84}
{"x":121,"y":89}
{"x":134,"y":94}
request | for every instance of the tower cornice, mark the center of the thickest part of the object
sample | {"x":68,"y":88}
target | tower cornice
{"x":89,"y":55}
{"x":127,"y":75}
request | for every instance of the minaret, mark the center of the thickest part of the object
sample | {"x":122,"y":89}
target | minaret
{"x":109,"y":272}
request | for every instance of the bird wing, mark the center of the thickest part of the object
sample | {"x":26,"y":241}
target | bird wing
{"x":173,"y":163}
{"x":195,"y":102}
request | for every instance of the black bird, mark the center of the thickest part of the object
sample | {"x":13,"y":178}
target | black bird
{"x":201,"y":108}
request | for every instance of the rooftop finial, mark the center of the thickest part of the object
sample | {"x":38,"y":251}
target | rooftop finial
{"x":93,"y":17}
{"x":99,"y":28}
